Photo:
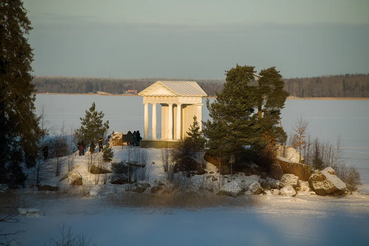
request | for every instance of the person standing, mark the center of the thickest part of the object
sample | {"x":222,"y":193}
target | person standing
{"x":134,"y":140}
{"x":100,"y":144}
{"x":45,"y":152}
{"x":83,"y":148}
{"x":138,"y":138}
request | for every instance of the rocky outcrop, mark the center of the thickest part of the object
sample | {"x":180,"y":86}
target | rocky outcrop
{"x":300,"y":170}
{"x":326,"y":182}
{"x":289,"y":179}
{"x":276,"y":171}
{"x":288,"y":152}
{"x":116,"y":139}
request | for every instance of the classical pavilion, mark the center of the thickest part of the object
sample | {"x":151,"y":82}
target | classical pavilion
{"x":180,"y":101}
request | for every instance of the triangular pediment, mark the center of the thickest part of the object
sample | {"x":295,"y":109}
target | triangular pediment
{"x":173,"y":88}
{"x":157,"y":89}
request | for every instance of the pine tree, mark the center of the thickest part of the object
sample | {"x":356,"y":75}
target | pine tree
{"x":246,"y":111}
{"x":19,"y":130}
{"x":108,"y":153}
{"x":195,"y":136}
{"x":270,"y":100}
{"x":234,"y":122}
{"x":92,"y":126}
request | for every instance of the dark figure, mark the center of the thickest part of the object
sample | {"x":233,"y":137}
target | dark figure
{"x":80,"y":149}
{"x":134,"y":138}
{"x":138,"y":138}
{"x":92,"y":147}
{"x":83,"y":147}
{"x":100,"y":144}
{"x":45,"y":151}
{"x":130,"y":138}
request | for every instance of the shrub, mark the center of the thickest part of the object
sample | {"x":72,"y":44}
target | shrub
{"x":67,"y":237}
{"x":108,"y":153}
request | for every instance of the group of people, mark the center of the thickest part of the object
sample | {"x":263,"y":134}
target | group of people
{"x":81,"y":147}
{"x":136,"y":138}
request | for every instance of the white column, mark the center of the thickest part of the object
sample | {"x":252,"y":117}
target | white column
{"x":170,"y":121}
{"x":179,"y":121}
{"x":153,"y":122}
{"x":146,"y":121}
{"x":199,"y":115}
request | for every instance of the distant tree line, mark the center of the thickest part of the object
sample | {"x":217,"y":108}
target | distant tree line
{"x":348,"y":85}
{"x":113,"y":86}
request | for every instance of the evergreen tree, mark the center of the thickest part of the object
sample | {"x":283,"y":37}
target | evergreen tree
{"x":92,"y":126}
{"x":108,"y":153}
{"x":234,"y":122}
{"x":270,"y":100}
{"x":19,"y":128}
{"x":195,"y":136}
{"x":246,"y":111}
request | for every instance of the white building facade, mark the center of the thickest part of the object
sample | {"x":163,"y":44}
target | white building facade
{"x":180,"y":101}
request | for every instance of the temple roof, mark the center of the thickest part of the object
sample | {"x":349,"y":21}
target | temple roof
{"x":174,"y":88}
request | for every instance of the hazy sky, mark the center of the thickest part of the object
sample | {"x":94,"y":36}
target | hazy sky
{"x":198,"y":38}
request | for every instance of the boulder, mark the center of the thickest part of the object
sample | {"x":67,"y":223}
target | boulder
{"x":275,"y":192}
{"x":289,"y":179}
{"x":116,"y":139}
{"x":326,"y":182}
{"x":99,"y":170}
{"x":276,"y":171}
{"x":75,"y":178}
{"x":30,"y":212}
{"x":118,"y":180}
{"x":255,"y":188}
{"x":288,"y":191}
{"x":93,"y":193}
{"x":269,"y":183}
{"x":303,"y":187}
{"x":231,"y":188}
{"x":289,"y":153}
{"x":300,"y":170}
{"x":141,"y":187}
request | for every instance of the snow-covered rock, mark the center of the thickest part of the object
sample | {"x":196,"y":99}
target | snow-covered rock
{"x":275,"y":192}
{"x":326,"y":182}
{"x":288,"y":190}
{"x":300,"y":170}
{"x":29,"y":212}
{"x":289,"y":179}
{"x":303,"y":187}
{"x":75,"y":178}
{"x":116,"y":139}
{"x":255,"y":188}
{"x":93,"y":193}
{"x":231,"y":188}
{"x":289,"y":153}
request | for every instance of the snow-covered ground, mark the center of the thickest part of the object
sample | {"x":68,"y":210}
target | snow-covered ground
{"x":265,"y":220}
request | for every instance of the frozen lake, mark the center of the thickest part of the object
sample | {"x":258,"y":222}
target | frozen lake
{"x":327,"y":119}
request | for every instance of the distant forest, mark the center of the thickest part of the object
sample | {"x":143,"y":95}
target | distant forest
{"x":348,"y":85}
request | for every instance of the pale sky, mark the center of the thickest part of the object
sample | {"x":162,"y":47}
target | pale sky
{"x":198,"y":38}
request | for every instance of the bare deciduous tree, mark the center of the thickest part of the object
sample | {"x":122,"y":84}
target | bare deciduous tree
{"x":298,"y":141}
